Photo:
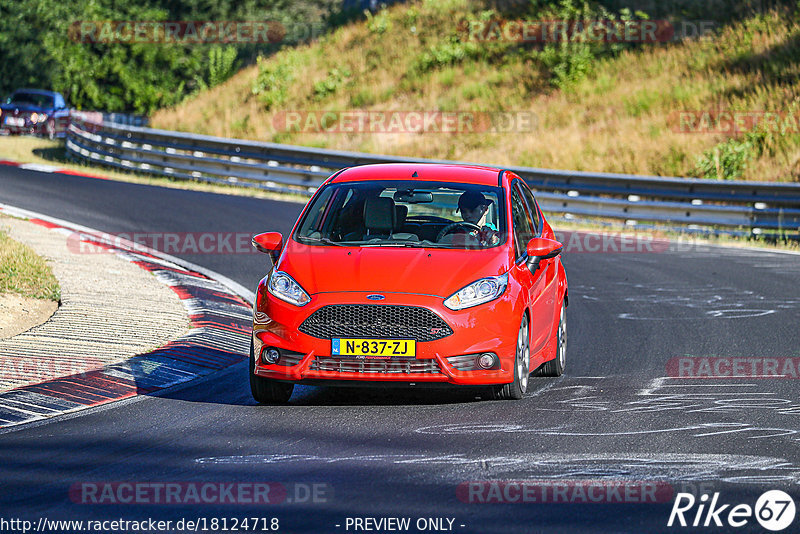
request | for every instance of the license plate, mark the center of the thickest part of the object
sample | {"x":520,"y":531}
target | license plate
{"x":15,"y":121}
{"x":374,"y":348}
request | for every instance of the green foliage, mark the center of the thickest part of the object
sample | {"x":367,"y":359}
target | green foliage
{"x":378,"y":24}
{"x":221,"y":64}
{"x":726,"y":161}
{"x":567,"y":62}
{"x":570,"y":60}
{"x":363,"y":98}
{"x":41,"y":46}
{"x":448,"y":52}
{"x":272,"y":84}
{"x":335,"y":79}
{"x":241,"y":125}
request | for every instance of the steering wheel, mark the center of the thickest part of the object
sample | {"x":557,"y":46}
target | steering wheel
{"x":450,"y":227}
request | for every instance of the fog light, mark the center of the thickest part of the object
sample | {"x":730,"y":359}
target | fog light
{"x":486,"y":360}
{"x":270,"y":355}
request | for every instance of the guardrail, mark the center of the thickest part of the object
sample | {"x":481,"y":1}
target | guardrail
{"x":756,"y":206}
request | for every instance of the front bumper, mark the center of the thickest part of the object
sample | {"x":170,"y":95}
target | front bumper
{"x":28,"y":128}
{"x":490,"y":327}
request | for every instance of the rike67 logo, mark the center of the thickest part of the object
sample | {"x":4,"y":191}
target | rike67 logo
{"x":774,"y":510}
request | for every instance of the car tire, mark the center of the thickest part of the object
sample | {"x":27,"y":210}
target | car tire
{"x":555,"y":367}
{"x":264,"y":390}
{"x":522,"y":366}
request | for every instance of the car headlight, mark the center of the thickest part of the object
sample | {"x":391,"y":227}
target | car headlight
{"x":283,"y":286}
{"x":478,"y":292}
{"x":34,"y":118}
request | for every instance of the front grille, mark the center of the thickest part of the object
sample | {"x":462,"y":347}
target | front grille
{"x":355,"y":365}
{"x":375,"y":321}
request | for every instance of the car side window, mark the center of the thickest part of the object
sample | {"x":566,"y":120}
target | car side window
{"x":315,"y":220}
{"x":523,"y":231}
{"x":532,"y":208}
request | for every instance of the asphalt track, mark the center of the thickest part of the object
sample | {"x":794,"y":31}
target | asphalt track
{"x":615,"y":416}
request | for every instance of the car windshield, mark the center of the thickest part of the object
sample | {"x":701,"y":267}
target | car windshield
{"x":405,"y":214}
{"x":36,"y":99}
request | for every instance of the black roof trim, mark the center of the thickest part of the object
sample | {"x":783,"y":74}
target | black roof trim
{"x":337,"y":173}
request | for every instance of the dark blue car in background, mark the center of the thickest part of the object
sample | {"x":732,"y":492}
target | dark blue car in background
{"x":34,"y":111}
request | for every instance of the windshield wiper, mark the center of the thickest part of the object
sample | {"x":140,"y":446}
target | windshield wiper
{"x":406,"y":244}
{"x":323,"y":240}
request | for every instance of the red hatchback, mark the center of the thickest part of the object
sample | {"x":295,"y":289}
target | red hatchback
{"x":411,"y":274}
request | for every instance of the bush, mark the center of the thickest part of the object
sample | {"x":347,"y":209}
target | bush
{"x":273,"y":81}
{"x":569,"y":61}
{"x":728,"y":160}
{"x":449,"y":52}
{"x":336,"y":78}
{"x":222,"y":64}
{"x":378,"y":24}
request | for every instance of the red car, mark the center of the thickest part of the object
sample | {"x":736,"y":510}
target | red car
{"x":411,"y":274}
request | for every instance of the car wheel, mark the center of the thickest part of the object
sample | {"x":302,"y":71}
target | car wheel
{"x":555,"y":367}
{"x":522,"y":366}
{"x":264,"y":390}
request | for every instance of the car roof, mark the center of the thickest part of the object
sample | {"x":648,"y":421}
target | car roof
{"x":425,"y":172}
{"x":36,"y":92}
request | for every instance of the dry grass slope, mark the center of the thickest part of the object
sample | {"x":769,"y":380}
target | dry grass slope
{"x":619,"y":118}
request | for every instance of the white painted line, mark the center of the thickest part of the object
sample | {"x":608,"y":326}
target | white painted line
{"x":40,"y":167}
{"x":705,"y":385}
{"x":597,"y":377}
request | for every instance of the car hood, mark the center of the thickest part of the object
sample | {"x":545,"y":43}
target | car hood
{"x":441,"y":272}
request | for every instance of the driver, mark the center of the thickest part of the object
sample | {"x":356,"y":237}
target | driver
{"x":473,"y":207}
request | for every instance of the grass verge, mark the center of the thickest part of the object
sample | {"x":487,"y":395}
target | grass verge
{"x":24,"y":272}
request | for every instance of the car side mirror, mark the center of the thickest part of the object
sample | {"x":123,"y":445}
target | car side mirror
{"x":269,"y":243}
{"x":541,"y":248}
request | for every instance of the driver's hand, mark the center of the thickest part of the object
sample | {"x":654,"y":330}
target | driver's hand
{"x":489,"y":236}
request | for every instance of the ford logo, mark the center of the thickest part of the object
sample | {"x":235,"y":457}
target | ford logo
{"x":375,"y":297}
